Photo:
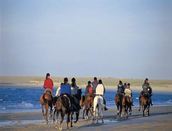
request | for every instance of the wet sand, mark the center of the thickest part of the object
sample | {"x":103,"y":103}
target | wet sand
{"x":160,"y":119}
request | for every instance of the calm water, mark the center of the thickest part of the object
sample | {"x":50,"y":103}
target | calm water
{"x":14,"y":99}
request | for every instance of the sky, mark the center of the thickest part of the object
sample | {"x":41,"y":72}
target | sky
{"x":107,"y":38}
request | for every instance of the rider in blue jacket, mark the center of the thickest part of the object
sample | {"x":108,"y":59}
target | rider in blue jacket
{"x":65,"y":88}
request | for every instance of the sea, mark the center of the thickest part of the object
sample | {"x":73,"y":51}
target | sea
{"x":26,"y":99}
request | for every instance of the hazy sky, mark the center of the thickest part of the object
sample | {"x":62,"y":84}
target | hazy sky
{"x":117,"y":38}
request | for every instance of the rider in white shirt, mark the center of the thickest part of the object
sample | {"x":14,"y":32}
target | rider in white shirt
{"x":100,"y":90}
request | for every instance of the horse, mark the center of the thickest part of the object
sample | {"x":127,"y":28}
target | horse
{"x":86,"y":103}
{"x":46,"y":104}
{"x":76,"y":105}
{"x":144,"y":103}
{"x":118,"y":101}
{"x":98,"y":108}
{"x":127,"y":104}
{"x":62,"y":106}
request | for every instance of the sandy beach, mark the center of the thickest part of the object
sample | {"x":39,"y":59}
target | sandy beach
{"x":109,"y":82}
{"x":160,"y":119}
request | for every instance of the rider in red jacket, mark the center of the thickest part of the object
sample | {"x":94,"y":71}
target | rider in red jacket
{"x":48,"y":83}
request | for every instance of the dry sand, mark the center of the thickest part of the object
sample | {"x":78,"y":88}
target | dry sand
{"x":160,"y":120}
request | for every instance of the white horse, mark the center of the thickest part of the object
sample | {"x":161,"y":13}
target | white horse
{"x":98,"y":108}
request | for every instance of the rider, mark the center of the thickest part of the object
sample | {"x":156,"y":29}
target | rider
{"x":48,"y":84}
{"x":89,"y":89}
{"x":74,"y":93}
{"x":100,"y":90}
{"x":147,"y":89}
{"x":65,"y":89}
{"x":94,"y":84}
{"x":128,"y":92}
{"x":120,"y":88}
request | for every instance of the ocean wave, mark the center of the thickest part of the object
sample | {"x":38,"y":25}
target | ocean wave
{"x":25,"y":105}
{"x":169,"y":101}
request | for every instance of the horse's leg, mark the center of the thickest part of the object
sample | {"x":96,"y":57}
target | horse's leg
{"x":42,"y":110}
{"x":117,"y":109}
{"x":77,"y":116}
{"x":83,"y":112}
{"x":94,"y":108}
{"x":144,"y":110}
{"x":51,"y":110}
{"x":62,"y":118}
{"x":54,"y":114}
{"x":46,"y":114}
{"x":71,"y":119}
{"x":121,"y":111}
{"x":68,"y":120}
{"x":87,"y":111}
{"x":102,"y":108}
{"x":130,"y":110}
{"x":148,"y":111}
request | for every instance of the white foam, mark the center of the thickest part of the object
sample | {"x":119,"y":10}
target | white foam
{"x":137,"y":98}
{"x":24,"y":104}
{"x":23,"y":122}
{"x":169,"y":101}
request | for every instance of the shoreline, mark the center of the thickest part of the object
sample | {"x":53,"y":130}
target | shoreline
{"x":134,"y":88}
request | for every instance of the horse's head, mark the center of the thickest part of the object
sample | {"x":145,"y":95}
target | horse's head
{"x":58,"y":104}
{"x":47,"y":96}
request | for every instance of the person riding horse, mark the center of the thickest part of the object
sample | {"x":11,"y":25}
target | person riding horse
{"x":65,"y":90}
{"x":100,"y":91}
{"x":147,"y":90}
{"x":128,"y":92}
{"x":75,"y":94}
{"x":89,"y":89}
{"x":46,"y":99}
{"x":48,"y":84}
{"x":120,"y":88}
{"x":94,"y":84}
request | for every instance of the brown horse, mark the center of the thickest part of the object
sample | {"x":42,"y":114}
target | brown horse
{"x":46,"y":104}
{"x":118,"y":101}
{"x":126,"y":105}
{"x":86,"y":103}
{"x":63,"y":107}
{"x":144,"y":103}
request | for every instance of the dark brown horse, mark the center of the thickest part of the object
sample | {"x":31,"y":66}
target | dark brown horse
{"x":63,"y":107}
{"x":126,"y":105}
{"x":118,"y":101}
{"x":144,"y":103}
{"x":76,"y":105}
{"x":86,"y":103}
{"x":46,"y":104}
